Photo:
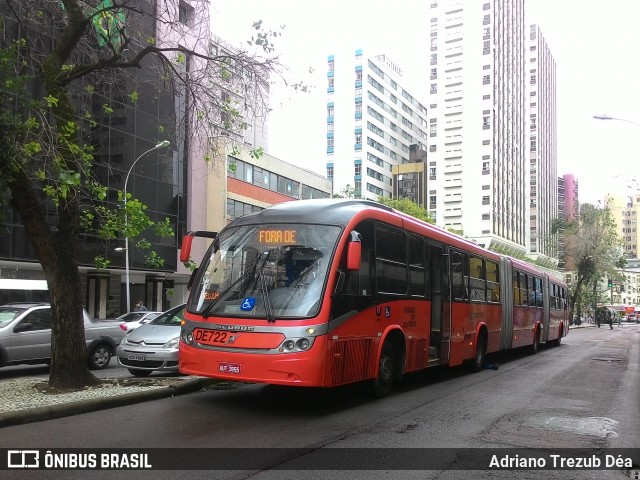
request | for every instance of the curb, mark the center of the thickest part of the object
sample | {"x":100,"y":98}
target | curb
{"x":91,"y":405}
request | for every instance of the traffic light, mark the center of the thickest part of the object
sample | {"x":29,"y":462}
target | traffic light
{"x":609,"y":283}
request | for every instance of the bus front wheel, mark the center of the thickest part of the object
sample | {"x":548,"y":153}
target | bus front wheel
{"x":381,"y":385}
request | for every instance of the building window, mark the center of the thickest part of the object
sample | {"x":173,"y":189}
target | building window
{"x":183,"y":14}
{"x":485,"y":200}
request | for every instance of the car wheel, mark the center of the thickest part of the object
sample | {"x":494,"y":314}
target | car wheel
{"x":99,"y":357}
{"x":139,"y":373}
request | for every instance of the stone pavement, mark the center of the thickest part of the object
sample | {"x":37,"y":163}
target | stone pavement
{"x":26,"y":399}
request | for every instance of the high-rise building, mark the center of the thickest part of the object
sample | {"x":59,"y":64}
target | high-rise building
{"x":571,"y":198}
{"x":372,"y":122}
{"x":568,"y":211}
{"x":477,"y":123}
{"x":542,"y":131}
{"x":625,"y":209}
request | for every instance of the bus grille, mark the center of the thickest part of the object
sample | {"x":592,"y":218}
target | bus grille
{"x":351,"y":360}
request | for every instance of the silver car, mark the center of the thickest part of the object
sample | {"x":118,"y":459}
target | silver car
{"x":25,"y":336}
{"x":154,"y":345}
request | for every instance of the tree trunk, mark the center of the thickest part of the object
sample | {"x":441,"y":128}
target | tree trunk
{"x":58,"y":257}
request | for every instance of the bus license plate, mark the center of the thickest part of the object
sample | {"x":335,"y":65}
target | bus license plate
{"x":140,"y":357}
{"x":229,"y":367}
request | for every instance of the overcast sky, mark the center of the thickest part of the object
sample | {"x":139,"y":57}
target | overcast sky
{"x":596,"y":46}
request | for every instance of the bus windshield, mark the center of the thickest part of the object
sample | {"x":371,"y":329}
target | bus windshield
{"x":271,"y":271}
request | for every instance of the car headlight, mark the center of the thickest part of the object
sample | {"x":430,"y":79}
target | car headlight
{"x":173,"y":343}
{"x":124,"y":340}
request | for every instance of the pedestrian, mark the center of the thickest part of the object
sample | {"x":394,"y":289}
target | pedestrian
{"x":140,"y":307}
{"x":610,"y":319}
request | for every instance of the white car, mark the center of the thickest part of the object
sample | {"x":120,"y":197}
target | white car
{"x":132,"y":320}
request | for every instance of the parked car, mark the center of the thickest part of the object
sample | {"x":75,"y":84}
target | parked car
{"x":154,"y":345}
{"x":25,"y":336}
{"x":132,"y":320}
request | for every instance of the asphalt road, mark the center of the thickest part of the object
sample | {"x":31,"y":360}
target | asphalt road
{"x":583,"y":394}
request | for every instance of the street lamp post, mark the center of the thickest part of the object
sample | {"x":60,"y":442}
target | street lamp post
{"x":164,"y":143}
{"x":608,"y":117}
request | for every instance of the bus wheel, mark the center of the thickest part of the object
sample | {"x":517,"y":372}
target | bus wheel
{"x":381,"y":385}
{"x":477,"y":363}
{"x":536,"y":342}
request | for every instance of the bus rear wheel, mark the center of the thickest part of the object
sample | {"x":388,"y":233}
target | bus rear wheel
{"x":381,"y":385}
{"x":535,"y":346}
{"x":477,"y":363}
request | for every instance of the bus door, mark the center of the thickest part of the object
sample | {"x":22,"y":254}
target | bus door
{"x":458,"y":311}
{"x":546,"y":296}
{"x":440,"y":337}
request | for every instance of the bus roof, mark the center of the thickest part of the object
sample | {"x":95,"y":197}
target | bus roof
{"x":334,"y":211}
{"x":339,"y":211}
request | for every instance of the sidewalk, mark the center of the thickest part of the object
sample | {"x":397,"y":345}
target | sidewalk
{"x":25,"y":400}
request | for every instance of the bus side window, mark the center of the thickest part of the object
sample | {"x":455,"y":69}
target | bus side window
{"x":539,"y":294}
{"x":524,"y":289}
{"x":459,"y":276}
{"x":493,"y":281}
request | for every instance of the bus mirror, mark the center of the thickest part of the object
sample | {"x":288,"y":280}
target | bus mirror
{"x":193,"y":275}
{"x":185,"y":251}
{"x":354,"y":253}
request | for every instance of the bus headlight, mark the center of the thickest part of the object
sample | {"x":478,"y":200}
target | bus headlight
{"x":303,"y":344}
{"x":289,"y":345}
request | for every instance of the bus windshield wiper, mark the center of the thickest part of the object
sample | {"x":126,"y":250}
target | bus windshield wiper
{"x":244,"y":276}
{"x":265,"y":298}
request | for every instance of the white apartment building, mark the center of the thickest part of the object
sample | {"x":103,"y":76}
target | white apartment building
{"x":372,"y":122}
{"x":477,"y":109}
{"x":543,"y":155}
{"x":625,"y":209}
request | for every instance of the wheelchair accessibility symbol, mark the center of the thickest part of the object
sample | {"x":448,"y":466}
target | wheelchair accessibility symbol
{"x":247,"y":304}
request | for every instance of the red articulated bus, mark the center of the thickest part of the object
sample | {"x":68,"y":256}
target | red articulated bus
{"x":322,"y":293}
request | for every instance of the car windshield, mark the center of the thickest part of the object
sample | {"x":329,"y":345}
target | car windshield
{"x":171,"y":317}
{"x":7,"y":314}
{"x":271,"y":271}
